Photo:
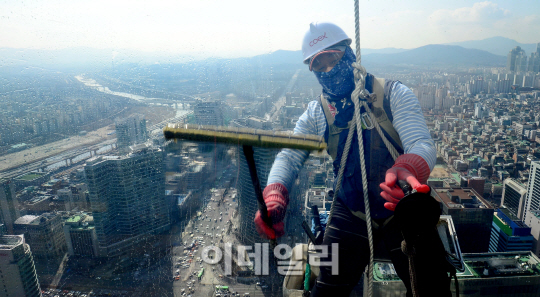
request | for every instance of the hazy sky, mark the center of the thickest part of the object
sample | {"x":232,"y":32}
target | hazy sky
{"x":231,"y":28}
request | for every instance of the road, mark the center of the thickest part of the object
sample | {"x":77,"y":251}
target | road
{"x":212,"y":227}
{"x":274,"y":113}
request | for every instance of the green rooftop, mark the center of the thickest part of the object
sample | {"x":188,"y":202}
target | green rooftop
{"x":73,"y":219}
{"x":30,"y":176}
{"x":502,"y":225}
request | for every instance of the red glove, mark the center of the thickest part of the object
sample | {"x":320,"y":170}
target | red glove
{"x":276,"y":198}
{"x":409,"y":167}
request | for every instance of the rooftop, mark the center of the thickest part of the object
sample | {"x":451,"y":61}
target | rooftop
{"x":486,"y":265}
{"x":456,"y":197}
{"x":38,"y":199}
{"x":25,"y":220}
{"x":10,"y":241}
{"x":74,"y":219}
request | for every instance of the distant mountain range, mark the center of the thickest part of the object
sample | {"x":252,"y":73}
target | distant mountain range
{"x":490,"y":52}
{"x":436,"y":55}
{"x":497,"y":45}
{"x":430,"y":55}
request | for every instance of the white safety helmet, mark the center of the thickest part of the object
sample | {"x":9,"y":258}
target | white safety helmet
{"x":321,"y":36}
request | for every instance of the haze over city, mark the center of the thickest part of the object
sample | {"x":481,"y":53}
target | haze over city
{"x":203,"y":29}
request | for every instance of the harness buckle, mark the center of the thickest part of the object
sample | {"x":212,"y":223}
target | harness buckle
{"x":372,"y":98}
{"x":366,"y":120}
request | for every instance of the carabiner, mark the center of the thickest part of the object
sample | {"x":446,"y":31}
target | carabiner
{"x":365,"y":118}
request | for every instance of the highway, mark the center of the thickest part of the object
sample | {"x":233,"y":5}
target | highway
{"x":62,"y":157}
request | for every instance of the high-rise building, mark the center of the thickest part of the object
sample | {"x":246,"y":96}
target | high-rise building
{"x":9,"y":207}
{"x":17,"y":270}
{"x":81,"y":235}
{"x":486,"y":274}
{"x":514,"y":59}
{"x":472,"y":216}
{"x":43,"y":233}
{"x":534,"y":60}
{"x":519,"y":128}
{"x":503,"y":86}
{"x":509,"y":233}
{"x":532,"y":203}
{"x":131,"y":130}
{"x":426,"y":96}
{"x":528,"y":80}
{"x":477,"y":86}
{"x":288,"y":99}
{"x":440,"y":97}
{"x":127,"y":198}
{"x":209,"y":113}
{"x":534,"y":222}
{"x":513,"y":197}
{"x":521,"y":63}
{"x":479,"y":111}
{"x":247,"y":201}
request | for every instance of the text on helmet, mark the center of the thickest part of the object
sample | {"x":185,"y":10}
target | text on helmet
{"x":316,"y":40}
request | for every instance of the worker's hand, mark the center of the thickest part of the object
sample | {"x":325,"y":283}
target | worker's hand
{"x":409,"y":167}
{"x":276,"y":198}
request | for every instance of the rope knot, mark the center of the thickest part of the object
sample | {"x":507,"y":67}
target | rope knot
{"x":407,"y":250}
{"x":360,"y":68}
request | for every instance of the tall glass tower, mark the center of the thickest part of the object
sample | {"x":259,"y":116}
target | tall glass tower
{"x":9,"y":207}
{"x":533,"y":192}
{"x":17,"y":270}
{"x":127,"y":197}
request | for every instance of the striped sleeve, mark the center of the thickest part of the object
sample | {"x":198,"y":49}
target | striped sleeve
{"x":289,"y":161}
{"x":410,"y":124}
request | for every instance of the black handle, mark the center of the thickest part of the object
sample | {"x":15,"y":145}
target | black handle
{"x":316,"y":218}
{"x":248,"y":153}
{"x":308,"y":232}
{"x":405,"y":187}
{"x":319,"y":231}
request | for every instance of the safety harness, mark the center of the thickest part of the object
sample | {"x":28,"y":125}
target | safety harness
{"x":381,"y":91}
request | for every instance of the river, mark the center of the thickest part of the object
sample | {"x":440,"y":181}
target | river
{"x":96,"y":86}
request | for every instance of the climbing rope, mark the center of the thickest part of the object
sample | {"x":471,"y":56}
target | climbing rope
{"x":410,"y":251}
{"x":360,"y":91}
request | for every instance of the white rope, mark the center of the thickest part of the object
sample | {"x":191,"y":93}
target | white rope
{"x":361,"y":92}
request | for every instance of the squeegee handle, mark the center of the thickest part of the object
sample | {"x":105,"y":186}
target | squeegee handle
{"x":248,"y":153}
{"x":316,"y":218}
{"x":405,"y":187}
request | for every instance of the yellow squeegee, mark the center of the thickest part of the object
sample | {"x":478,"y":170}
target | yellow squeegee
{"x":244,"y":136}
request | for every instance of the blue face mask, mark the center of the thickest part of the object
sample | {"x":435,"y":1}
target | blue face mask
{"x":339,"y":82}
